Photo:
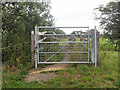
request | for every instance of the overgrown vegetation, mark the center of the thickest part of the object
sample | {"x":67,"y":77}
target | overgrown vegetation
{"x":19,"y":19}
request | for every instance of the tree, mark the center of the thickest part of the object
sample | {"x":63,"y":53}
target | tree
{"x":18,"y":20}
{"x":110,"y":21}
{"x":58,"y":31}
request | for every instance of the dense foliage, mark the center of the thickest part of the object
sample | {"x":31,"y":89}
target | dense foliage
{"x":109,"y":21}
{"x":18,"y":20}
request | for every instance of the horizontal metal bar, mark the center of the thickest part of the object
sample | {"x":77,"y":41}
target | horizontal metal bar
{"x":43,"y":39}
{"x":60,"y":27}
{"x":60,"y":62}
{"x":62,"y":52}
{"x":79,"y":31}
{"x":64,"y":42}
{"x":61,"y":34}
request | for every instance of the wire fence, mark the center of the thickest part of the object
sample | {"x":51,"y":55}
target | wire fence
{"x":14,"y":45}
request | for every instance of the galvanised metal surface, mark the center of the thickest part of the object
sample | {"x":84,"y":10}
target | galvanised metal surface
{"x":59,"y":27}
{"x":63,"y":48}
{"x":36,"y":54}
{"x":94,"y":46}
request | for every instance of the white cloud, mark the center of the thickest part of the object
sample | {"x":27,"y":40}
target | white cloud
{"x":75,"y":12}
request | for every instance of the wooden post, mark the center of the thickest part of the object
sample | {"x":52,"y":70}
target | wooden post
{"x":98,"y":47}
{"x":32,"y":48}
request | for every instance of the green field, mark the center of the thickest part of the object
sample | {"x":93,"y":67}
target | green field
{"x":77,"y":76}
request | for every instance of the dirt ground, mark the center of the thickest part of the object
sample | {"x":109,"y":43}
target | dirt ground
{"x":36,"y":75}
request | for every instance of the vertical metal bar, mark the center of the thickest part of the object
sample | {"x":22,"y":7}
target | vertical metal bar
{"x":35,"y":46}
{"x":95,"y":47}
{"x":88,"y":43}
{"x":91,"y":46}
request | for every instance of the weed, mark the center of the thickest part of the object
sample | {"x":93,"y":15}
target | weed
{"x":71,"y":71}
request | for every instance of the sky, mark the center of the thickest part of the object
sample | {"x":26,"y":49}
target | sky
{"x":76,"y":13}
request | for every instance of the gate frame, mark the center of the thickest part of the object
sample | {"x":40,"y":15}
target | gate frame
{"x":37,"y":46}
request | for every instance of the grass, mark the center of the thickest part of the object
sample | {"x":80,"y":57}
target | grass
{"x":106,"y":45}
{"x":82,"y":76}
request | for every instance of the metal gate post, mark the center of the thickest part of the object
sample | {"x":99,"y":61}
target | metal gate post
{"x":36,"y":47}
{"x":95,"y":46}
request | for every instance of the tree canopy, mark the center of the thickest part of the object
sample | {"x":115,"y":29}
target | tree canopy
{"x":18,"y":20}
{"x":109,"y":21}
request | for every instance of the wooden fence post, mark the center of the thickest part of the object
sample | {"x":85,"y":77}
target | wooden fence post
{"x":98,"y":47}
{"x":32,"y":48}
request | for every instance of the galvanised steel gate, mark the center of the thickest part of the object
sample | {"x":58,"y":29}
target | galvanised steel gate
{"x":51,"y":48}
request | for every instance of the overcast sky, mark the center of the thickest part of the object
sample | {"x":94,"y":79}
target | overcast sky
{"x":75,"y":12}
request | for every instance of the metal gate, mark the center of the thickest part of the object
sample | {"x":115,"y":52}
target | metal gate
{"x":51,"y":48}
